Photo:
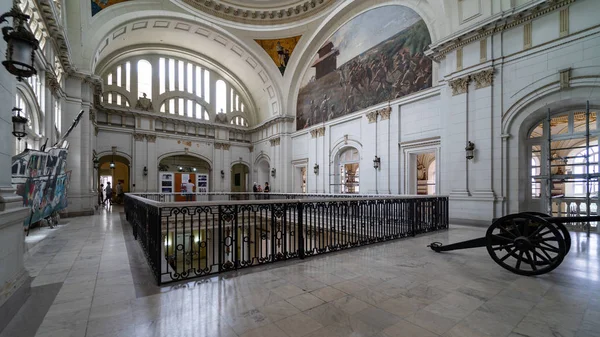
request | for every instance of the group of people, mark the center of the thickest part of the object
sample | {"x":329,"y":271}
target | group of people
{"x":259,"y":188}
{"x":105,"y":194}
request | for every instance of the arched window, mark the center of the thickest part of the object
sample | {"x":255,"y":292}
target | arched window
{"x":536,"y":187}
{"x":144,"y":69}
{"x":239,"y":120}
{"x":579,"y":169}
{"x":221,"y":96}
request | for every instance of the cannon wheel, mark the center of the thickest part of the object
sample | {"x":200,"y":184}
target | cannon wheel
{"x":562,"y":228}
{"x":518,"y":241}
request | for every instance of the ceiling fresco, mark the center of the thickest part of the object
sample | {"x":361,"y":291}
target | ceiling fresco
{"x":280,"y":50}
{"x":98,"y":5}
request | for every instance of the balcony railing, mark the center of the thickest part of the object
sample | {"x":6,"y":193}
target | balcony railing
{"x":184,"y":240}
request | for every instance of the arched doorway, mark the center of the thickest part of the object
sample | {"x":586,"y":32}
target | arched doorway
{"x":557,"y":174}
{"x":262,"y":173}
{"x":114,"y":169}
{"x":177,"y":170}
{"x":347,"y":171}
{"x":426,"y":173}
{"x":239,"y":178}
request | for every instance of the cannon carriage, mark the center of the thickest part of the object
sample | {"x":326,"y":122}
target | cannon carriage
{"x":528,"y":243}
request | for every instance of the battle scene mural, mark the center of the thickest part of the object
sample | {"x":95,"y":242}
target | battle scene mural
{"x":98,"y":5}
{"x":280,"y":50}
{"x":375,"y":57}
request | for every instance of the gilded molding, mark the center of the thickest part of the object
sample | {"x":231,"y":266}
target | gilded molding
{"x":460,"y":85}
{"x":267,"y":16}
{"x":483,"y":78}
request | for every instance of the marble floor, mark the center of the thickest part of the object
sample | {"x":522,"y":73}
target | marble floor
{"x":90,"y":279}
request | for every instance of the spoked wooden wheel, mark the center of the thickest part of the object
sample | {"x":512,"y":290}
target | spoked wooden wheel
{"x":563,"y":230}
{"x":525,"y":244}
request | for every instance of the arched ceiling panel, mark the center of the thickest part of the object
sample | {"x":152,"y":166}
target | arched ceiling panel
{"x":231,"y":54}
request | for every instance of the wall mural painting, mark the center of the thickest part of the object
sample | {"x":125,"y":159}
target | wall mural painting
{"x":280,"y":50}
{"x":375,"y":57}
{"x":98,"y":5}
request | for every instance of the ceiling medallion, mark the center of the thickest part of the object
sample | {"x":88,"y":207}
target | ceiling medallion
{"x":261,"y":16}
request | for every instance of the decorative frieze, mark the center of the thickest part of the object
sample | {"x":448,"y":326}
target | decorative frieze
{"x":151,"y":138}
{"x":494,"y":25}
{"x":139,"y":137}
{"x":483,"y":78}
{"x":275,"y":141}
{"x":460,"y":85}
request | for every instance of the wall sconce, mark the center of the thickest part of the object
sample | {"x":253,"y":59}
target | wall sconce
{"x":222,"y":174}
{"x":145,"y":171}
{"x":96,"y":162}
{"x":376,"y":162}
{"x":21,"y":45}
{"x":316,"y":169}
{"x":19,"y":124}
{"x":470,"y":150}
{"x":273,"y":171}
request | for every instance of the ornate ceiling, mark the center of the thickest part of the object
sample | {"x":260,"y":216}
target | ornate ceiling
{"x":261,"y":12}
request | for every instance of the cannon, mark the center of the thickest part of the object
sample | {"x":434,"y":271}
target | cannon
{"x":528,"y":243}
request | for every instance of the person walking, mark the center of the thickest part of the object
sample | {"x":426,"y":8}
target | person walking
{"x":109,"y":194}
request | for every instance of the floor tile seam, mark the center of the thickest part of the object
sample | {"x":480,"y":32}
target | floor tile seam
{"x":95,"y":283}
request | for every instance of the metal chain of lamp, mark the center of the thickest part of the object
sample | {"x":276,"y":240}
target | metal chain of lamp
{"x":21,"y":45}
{"x":19,"y":124}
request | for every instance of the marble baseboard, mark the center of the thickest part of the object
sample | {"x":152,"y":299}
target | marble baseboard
{"x":469,"y":222}
{"x":73,"y":214}
{"x":15,"y":301}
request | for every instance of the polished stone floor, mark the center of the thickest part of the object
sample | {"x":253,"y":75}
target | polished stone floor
{"x":90,"y":279}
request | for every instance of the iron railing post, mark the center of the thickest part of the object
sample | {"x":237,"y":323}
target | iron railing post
{"x":158,"y":248}
{"x":273,"y":233}
{"x":300,"y":230}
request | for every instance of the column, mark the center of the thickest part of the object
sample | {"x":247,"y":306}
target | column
{"x":79,"y":196}
{"x":14,"y":279}
{"x":152,"y":162}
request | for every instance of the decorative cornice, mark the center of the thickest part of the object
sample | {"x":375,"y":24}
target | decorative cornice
{"x":267,"y":16}
{"x":492,"y":25}
{"x":460,"y":85}
{"x":275,"y":141}
{"x":57,"y":33}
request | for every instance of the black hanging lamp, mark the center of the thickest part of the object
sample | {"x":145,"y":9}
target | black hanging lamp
{"x":21,"y":45}
{"x":19,"y":124}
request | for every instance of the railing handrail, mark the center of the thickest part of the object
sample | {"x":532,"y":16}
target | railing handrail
{"x":340,"y":197}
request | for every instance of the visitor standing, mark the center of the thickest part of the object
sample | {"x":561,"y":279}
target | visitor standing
{"x":267,"y":188}
{"x":119,"y":193}
{"x":189,"y":187}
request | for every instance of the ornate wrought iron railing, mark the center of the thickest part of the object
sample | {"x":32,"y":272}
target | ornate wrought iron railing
{"x":184,"y":240}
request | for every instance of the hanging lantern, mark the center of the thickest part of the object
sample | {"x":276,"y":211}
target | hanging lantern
{"x":21,"y":45}
{"x":19,"y":124}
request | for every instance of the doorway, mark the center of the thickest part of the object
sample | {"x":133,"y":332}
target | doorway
{"x":348,"y":171}
{"x":239,"y":178}
{"x":426,"y":173}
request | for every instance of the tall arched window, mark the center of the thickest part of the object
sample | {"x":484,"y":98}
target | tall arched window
{"x":579,"y":187}
{"x":536,"y":188}
{"x":221,"y":96}
{"x":144,"y":78}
